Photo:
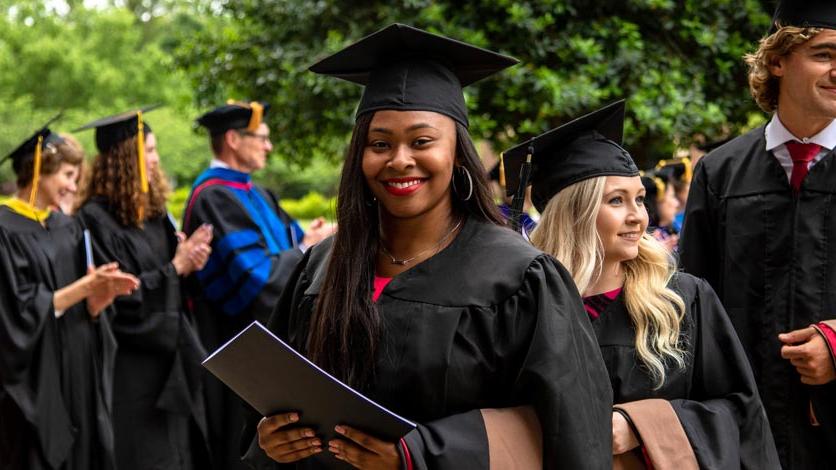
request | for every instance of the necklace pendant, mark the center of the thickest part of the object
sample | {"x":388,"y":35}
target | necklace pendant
{"x":400,"y":262}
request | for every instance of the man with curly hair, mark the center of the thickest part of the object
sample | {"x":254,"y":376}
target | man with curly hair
{"x":760,"y":227}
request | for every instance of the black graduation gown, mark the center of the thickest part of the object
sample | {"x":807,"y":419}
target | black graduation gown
{"x":238,"y":245}
{"x":159,"y":416}
{"x":489,"y":322}
{"x":772,"y":261}
{"x":56,"y":374}
{"x":715,"y":397}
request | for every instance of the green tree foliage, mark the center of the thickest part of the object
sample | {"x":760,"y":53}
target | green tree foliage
{"x":91,"y":63}
{"x":679,"y":63}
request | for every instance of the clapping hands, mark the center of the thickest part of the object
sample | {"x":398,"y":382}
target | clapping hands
{"x":193,"y":252}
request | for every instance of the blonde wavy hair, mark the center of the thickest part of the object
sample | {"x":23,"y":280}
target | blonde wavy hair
{"x":115,"y":177}
{"x":568,"y":231}
{"x":762,"y":84}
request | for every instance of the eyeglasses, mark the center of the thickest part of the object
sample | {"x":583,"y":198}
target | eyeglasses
{"x":264,"y":138}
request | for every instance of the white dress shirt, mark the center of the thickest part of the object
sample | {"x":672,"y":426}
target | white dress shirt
{"x":777,"y":135}
{"x":215,"y":163}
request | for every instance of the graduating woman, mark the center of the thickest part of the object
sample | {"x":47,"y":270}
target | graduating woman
{"x":159,"y":418}
{"x":56,"y":347}
{"x":684,"y":392}
{"x":423,"y":300}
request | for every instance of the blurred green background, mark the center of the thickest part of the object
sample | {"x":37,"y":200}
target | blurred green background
{"x":678,"y":62}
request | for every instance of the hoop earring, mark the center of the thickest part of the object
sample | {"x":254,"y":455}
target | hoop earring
{"x":469,"y":184}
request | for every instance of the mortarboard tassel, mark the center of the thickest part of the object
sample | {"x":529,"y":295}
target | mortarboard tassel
{"x":36,"y":174}
{"x":255,"y":116}
{"x":519,"y":197}
{"x":502,"y":171}
{"x":660,"y":188}
{"x":140,"y":151}
{"x":689,"y":172}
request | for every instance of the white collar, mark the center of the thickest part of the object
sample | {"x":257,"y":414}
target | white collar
{"x":215,"y":163}
{"x":777,"y":135}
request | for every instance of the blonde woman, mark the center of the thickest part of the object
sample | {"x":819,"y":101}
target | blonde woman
{"x":683,"y":391}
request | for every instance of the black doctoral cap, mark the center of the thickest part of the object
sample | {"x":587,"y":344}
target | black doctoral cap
{"x":234,"y":115}
{"x":405,"y":68}
{"x":112,"y":130}
{"x":584,"y":148}
{"x":43,"y":136}
{"x":805,"y":13}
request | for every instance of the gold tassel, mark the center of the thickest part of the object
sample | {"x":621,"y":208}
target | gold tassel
{"x":36,"y":174}
{"x":255,"y":116}
{"x":689,"y":172}
{"x":502,"y":172}
{"x":660,"y":188}
{"x":143,"y":174}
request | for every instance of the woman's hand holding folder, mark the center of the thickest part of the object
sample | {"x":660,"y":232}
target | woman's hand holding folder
{"x":287,"y":445}
{"x":364,"y":451}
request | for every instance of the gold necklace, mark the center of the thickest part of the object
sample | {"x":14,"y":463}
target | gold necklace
{"x":404,"y":262}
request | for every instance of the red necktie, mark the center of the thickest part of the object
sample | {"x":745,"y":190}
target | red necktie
{"x":802,"y":155}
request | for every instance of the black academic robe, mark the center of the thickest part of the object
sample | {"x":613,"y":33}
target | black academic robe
{"x":714,"y":397}
{"x":158,"y":407}
{"x":246,"y":274}
{"x":56,"y":374}
{"x":771,"y":260}
{"x":489,"y":322}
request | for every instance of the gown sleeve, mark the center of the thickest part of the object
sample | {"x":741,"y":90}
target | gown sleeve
{"x":723,"y":418}
{"x":699,"y":253}
{"x":550,"y":358}
{"x":149,"y":318}
{"x":30,"y":366}
{"x":240,"y":259}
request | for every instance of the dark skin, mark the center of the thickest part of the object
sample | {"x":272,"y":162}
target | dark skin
{"x":408,"y":165}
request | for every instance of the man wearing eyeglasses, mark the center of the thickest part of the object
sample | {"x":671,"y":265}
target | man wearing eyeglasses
{"x":255,"y":247}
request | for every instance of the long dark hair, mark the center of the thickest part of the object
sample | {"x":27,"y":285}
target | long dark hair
{"x":346,"y":326}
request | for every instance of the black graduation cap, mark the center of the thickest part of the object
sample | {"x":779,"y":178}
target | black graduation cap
{"x":112,"y":130}
{"x":584,"y":148}
{"x":405,"y":68}
{"x":805,"y":13}
{"x":234,"y":115}
{"x":677,"y":169}
{"x":29,"y":146}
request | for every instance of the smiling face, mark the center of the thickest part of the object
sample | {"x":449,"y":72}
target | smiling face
{"x":408,"y":161}
{"x":808,"y":77}
{"x":622,"y":218}
{"x":57,"y":187}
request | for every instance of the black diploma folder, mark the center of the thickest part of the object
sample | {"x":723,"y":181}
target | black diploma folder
{"x":274,"y":378}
